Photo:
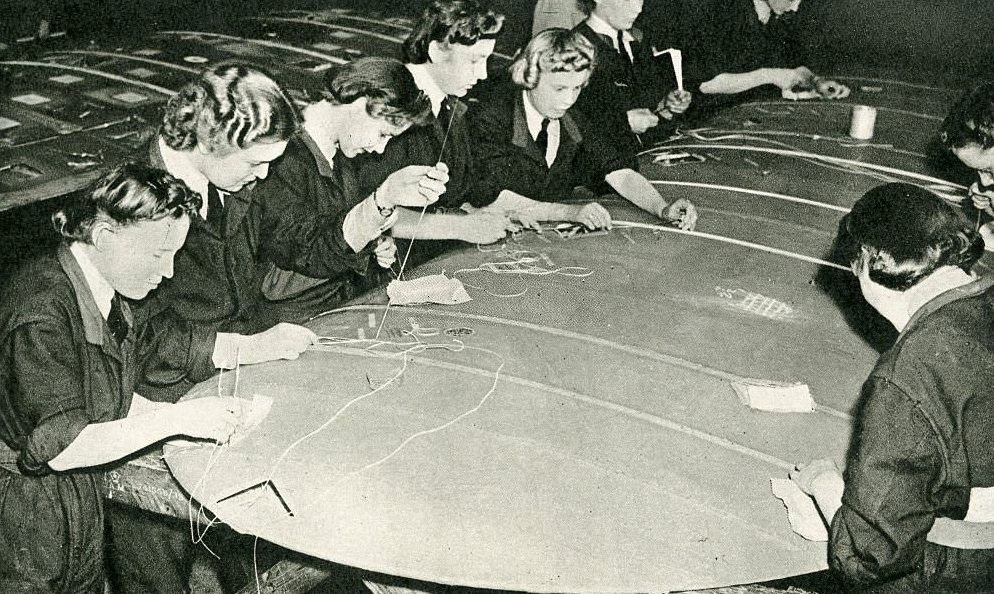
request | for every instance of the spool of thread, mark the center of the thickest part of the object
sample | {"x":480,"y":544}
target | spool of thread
{"x":864,"y":117}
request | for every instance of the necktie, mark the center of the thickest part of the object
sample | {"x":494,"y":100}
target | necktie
{"x":445,"y":112}
{"x":621,"y":47}
{"x":215,"y":209}
{"x":542,"y":139}
{"x":115,"y":320}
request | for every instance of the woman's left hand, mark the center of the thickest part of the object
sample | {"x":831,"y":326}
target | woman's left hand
{"x":683,"y":213}
{"x":385,"y":251}
{"x":677,"y":101}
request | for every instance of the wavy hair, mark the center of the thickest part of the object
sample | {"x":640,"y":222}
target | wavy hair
{"x":462,"y":22}
{"x":228,"y":107}
{"x":552,"y":50}
{"x":128,"y":194}
{"x":387,"y":85}
{"x":971,"y":119}
{"x":903,"y":233}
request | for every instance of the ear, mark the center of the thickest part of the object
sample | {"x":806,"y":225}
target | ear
{"x":438,"y":52}
{"x":101,"y":234}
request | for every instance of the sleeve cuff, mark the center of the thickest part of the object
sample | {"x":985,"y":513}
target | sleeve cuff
{"x":49,"y":439}
{"x":364,"y":223}
{"x":226,"y":348}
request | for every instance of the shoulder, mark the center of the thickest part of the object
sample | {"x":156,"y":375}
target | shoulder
{"x":38,"y":291}
{"x":494,"y":103}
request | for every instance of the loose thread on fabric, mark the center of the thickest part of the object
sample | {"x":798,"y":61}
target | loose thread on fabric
{"x":417,"y":227}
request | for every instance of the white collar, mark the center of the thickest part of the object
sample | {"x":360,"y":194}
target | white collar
{"x":599,"y":25}
{"x":317,"y":127}
{"x":101,"y":290}
{"x":178,"y":165}
{"x":764,"y":12}
{"x":426,"y":83}
{"x":533,"y":117}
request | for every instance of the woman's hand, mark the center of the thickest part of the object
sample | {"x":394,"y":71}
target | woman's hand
{"x":385,"y":251}
{"x":681,"y":212}
{"x":809,"y":476}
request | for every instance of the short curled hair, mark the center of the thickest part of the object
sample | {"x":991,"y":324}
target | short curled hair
{"x":586,"y":6}
{"x":971,"y":119}
{"x":903,"y":233}
{"x":128,"y":194}
{"x":228,"y":107}
{"x":552,"y":50}
{"x":451,"y":21}
{"x":387,"y":85}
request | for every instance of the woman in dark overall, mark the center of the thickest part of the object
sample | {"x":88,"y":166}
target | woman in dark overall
{"x":71,"y":354}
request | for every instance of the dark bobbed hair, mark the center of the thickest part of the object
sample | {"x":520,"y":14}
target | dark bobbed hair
{"x":586,"y":6}
{"x":552,"y":50}
{"x":387,"y":85}
{"x":228,"y":107}
{"x":128,"y":194}
{"x":903,"y":233}
{"x":971,"y":119}
{"x":451,"y":21}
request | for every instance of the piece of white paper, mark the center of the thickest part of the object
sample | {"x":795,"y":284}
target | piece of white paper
{"x":801,"y":510}
{"x":436,"y":288}
{"x":775,"y":396}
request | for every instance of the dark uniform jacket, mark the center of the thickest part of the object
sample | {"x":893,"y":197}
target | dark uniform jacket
{"x":308,"y":246}
{"x":923,"y":441}
{"x":511,"y":160}
{"x":422,"y":145}
{"x":60,"y":370}
{"x":617,"y":86}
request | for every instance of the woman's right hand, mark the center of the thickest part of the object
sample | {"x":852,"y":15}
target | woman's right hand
{"x":414,"y":186}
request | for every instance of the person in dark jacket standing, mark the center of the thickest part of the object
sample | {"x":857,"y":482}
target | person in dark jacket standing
{"x":71,"y":354}
{"x":915,"y":512}
{"x":630,"y":96}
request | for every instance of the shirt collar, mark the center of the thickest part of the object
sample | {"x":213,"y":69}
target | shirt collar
{"x":315,"y":136}
{"x":179,"y":165}
{"x":764,"y":12}
{"x":101,"y":290}
{"x":599,"y":25}
{"x":426,"y":83}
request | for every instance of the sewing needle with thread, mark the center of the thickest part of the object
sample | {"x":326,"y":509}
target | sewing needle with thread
{"x":417,"y":227}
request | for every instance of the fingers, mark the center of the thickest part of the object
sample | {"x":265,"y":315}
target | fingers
{"x":595,"y":216}
{"x":684,"y":213}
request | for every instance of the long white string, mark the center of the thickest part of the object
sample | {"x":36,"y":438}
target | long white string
{"x":417,"y":227}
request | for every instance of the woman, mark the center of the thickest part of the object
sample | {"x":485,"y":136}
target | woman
{"x":70,"y":358}
{"x":921,"y":460}
{"x":532,"y":143}
{"x":447,"y":53}
{"x":329,"y":231}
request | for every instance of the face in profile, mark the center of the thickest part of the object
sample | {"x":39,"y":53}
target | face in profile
{"x":366,"y":133}
{"x":556,"y":92}
{"x":233,"y":169}
{"x":620,"y":14}
{"x":135,"y":258}
{"x":460,"y":67}
{"x":976,"y":157}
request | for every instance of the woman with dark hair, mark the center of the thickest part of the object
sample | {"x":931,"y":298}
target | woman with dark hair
{"x":329,"y":230}
{"x":915,"y":513}
{"x":530,"y":141}
{"x":447,"y":54}
{"x":70,"y":359}
{"x":968,"y":132}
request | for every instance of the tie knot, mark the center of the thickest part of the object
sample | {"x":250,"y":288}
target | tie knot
{"x":215,"y":208}
{"x":116,"y":321}
{"x":545,"y":125}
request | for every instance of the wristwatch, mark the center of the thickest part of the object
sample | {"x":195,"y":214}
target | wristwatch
{"x":385,"y":212}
